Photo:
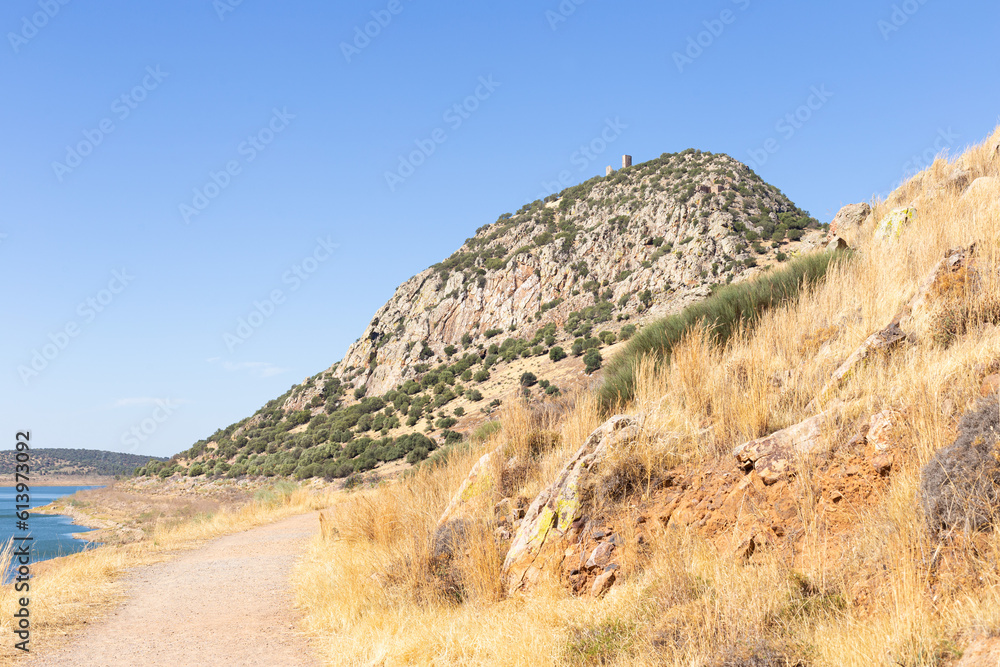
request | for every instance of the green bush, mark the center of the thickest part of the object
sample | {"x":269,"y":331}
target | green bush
{"x":627,"y":331}
{"x":528,"y":379}
{"x":557,"y":353}
{"x":592,"y":360}
{"x":729,"y":307}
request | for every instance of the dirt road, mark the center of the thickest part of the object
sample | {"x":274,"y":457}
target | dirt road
{"x":228,"y":602}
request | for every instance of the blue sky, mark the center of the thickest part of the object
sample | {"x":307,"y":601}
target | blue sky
{"x":168,"y":169}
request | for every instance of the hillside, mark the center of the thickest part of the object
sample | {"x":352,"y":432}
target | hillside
{"x":797,"y":477}
{"x":529,"y":305}
{"x":802,"y":479}
{"x":76,"y":462}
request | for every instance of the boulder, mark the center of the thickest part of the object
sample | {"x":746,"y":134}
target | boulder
{"x":449,"y":534}
{"x":891,"y":226}
{"x":603,"y":583}
{"x":836,"y":243}
{"x":849,"y":219}
{"x":774,"y":455}
{"x":960,"y":485}
{"x":553,"y":521}
{"x":983,"y":187}
{"x":885,"y":429}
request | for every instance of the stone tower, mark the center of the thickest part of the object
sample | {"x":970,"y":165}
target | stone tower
{"x":609,"y":171}
{"x":626,"y":161}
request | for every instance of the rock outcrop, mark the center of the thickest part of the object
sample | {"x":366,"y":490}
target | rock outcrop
{"x":554,"y":524}
{"x":891,"y":226}
{"x":912,"y":318}
{"x":775,"y":456}
{"x":849,"y":220}
{"x":655,"y":226}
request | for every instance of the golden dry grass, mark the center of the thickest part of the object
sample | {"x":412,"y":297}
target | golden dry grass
{"x":372,"y":596}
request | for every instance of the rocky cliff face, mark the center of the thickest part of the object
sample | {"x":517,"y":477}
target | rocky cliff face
{"x":671,"y":226}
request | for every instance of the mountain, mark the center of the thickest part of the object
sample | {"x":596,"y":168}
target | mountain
{"x":671,"y":226}
{"x":57,"y":462}
{"x":528,"y":305}
{"x":809,"y":476}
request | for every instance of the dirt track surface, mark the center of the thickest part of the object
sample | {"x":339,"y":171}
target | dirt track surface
{"x":228,"y":602}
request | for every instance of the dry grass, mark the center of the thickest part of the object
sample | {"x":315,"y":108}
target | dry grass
{"x":892,"y":596}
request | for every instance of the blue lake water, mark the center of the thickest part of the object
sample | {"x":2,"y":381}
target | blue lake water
{"x":52,"y":533}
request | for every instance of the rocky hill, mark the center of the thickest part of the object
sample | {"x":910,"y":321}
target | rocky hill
{"x":529,"y":305}
{"x":810,"y":477}
{"x":647,"y":239}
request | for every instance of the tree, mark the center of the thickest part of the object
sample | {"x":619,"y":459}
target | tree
{"x":592,"y":360}
{"x":557,"y":353}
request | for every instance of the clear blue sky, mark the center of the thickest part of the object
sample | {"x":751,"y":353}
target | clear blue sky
{"x":309,"y":128}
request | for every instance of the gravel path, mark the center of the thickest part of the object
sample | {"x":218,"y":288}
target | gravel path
{"x":228,"y":602}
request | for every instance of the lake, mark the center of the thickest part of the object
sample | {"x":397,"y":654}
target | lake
{"x":52,"y":532}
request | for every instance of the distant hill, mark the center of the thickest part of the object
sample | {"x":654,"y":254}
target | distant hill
{"x":527,"y":306}
{"x":77,"y":462}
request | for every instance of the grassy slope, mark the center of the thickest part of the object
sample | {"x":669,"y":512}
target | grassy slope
{"x":369,"y":590}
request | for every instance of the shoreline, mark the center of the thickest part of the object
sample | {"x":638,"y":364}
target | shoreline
{"x":40,"y":481}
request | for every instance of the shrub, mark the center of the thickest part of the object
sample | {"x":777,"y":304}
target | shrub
{"x":557,"y":353}
{"x":592,"y":360}
{"x":960,"y":486}
{"x":196,"y":470}
{"x":627,"y":331}
{"x":481,"y":376}
{"x":729,"y":307}
{"x":528,"y":379}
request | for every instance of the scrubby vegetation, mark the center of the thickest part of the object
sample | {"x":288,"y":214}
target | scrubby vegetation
{"x":859,"y":575}
{"x":76,"y":462}
{"x":728,"y":310}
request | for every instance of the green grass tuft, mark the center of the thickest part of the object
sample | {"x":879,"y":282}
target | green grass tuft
{"x":729,"y":308}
